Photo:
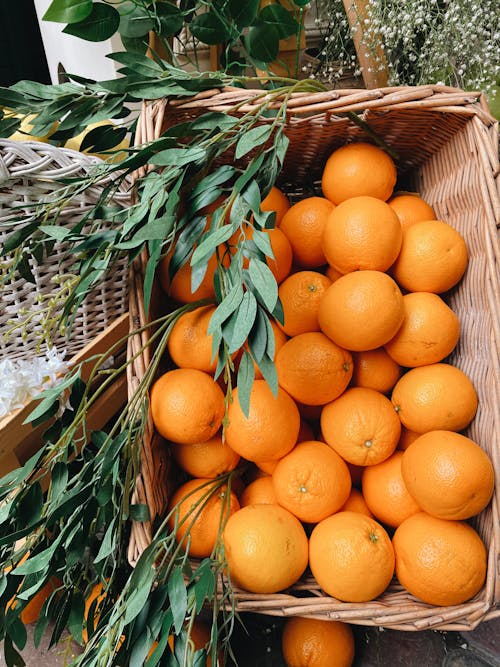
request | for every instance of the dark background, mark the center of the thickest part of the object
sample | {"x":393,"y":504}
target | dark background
{"x":22,"y":54}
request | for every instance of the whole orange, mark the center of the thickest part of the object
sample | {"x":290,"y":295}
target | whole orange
{"x":300,"y":295}
{"x":265,"y":547}
{"x":433,"y":257}
{"x":189,"y":344}
{"x":180,"y":287}
{"x":205,"y":459}
{"x":351,"y":557}
{"x":313,"y":369}
{"x":303,"y":226}
{"x":362,"y":233}
{"x":259,"y":492}
{"x":31,"y":611}
{"x":312,"y":481}
{"x":362,"y":310}
{"x":429,"y":332}
{"x":449,"y":475}
{"x":271,"y":428}
{"x":198,"y":510}
{"x":361,"y":426}
{"x":375,"y":369}
{"x":358,"y":169}
{"x":435,"y":397}
{"x":411,"y":208}
{"x":187,"y":406}
{"x":385,"y":491}
{"x":310,"y":642}
{"x":276,"y":201}
{"x":356,"y":503}
{"x":438,"y":561}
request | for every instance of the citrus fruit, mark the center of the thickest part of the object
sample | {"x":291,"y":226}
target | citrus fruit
{"x":429,"y":332}
{"x":281,"y":261}
{"x":362,"y":310}
{"x":187,"y":406}
{"x":23,"y":133}
{"x":180,"y":287}
{"x":200,"y":509}
{"x":406,"y":438}
{"x":358,"y":169}
{"x":433,"y":257}
{"x":267,"y":467}
{"x":375,"y":369}
{"x":303,"y":225}
{"x":449,"y":475}
{"x":265,"y":547}
{"x":271,"y":428}
{"x":362,"y":233}
{"x":31,"y":611}
{"x":385,"y":491}
{"x":205,"y":459}
{"x":312,"y":481}
{"x":438,"y":561}
{"x":189,"y":344}
{"x":435,"y":397}
{"x":259,"y":492}
{"x":356,"y":503}
{"x":332,"y":273}
{"x":351,"y":557}
{"x":94,"y":600}
{"x":313,"y":369}
{"x":275,"y":201}
{"x":310,"y":642}
{"x":361,"y":426}
{"x":300,"y":295}
{"x":411,"y":208}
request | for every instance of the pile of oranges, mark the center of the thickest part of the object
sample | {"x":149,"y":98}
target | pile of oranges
{"x":356,"y":468}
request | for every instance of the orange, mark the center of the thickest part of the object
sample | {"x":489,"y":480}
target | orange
{"x":97,"y":594}
{"x":201,"y":508}
{"x":267,"y":467}
{"x":189,"y":344}
{"x":362,"y":233}
{"x":259,"y":492}
{"x":31,"y":611}
{"x":333,"y":274}
{"x":187,"y":406}
{"x":440,"y":562}
{"x":312,"y":369}
{"x":361,"y":426}
{"x":362,"y":310}
{"x":385,"y":491}
{"x":206,"y":459}
{"x":180,"y":287}
{"x":300,"y":296}
{"x":433,"y":257}
{"x":275,"y":201}
{"x":429,"y":332}
{"x":280,"y":339}
{"x":310,"y":642}
{"x":351,"y":557}
{"x":356,"y":503}
{"x":449,"y":475}
{"x":312,"y":481}
{"x":375,"y":369}
{"x":271,"y":428}
{"x":281,"y":261}
{"x":265,"y":547}
{"x":410,"y":208}
{"x":303,"y":226}
{"x":435,"y":397}
{"x":406,"y":438}
{"x":358,"y":169}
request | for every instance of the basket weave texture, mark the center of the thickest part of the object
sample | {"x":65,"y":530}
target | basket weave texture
{"x":30,"y":172}
{"x":448,"y":148}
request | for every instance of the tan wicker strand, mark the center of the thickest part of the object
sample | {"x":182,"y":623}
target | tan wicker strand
{"x":447,"y":142}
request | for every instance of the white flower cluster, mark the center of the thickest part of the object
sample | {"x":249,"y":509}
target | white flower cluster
{"x":22,"y":379}
{"x":456,"y":42}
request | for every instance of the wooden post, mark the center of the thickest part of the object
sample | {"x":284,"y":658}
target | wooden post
{"x":370,"y":56}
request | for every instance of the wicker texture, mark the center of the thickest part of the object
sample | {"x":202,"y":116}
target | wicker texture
{"x":447,"y":145}
{"x":29,"y":173}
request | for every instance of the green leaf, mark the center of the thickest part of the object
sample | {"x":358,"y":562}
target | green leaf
{"x":268,"y":370}
{"x":99,"y":25}
{"x":257,"y":340}
{"x":214,"y":120}
{"x":250,"y":171}
{"x":58,"y":479}
{"x":243,"y":13}
{"x":55,"y":232}
{"x":252,"y":138}
{"x":103,"y":138}
{"x":135,"y":22}
{"x":171,"y":18}
{"x":30,"y":506}
{"x":263,"y":243}
{"x":244,"y":318}
{"x":204,"y":587}
{"x":37,"y":563}
{"x":135,"y":45}
{"x":178,"y":156}
{"x":12,"y":657}
{"x":140,"y":649}
{"x":76,"y":616}
{"x":50,"y":396}
{"x":40,"y":628}
{"x":140,"y":584}
{"x":17,"y":238}
{"x":178,"y":598}
{"x":209,"y":28}
{"x":137,"y":62}
{"x":149,"y":277}
{"x":139,"y":513}
{"x":279,"y":18}
{"x":18,"y":633}
{"x":225,"y":309}
{"x":264,"y":281}
{"x":108,"y":543}
{"x":68,"y":11}
{"x":210,"y":242}
{"x":262,"y":42}
{"x":246,"y":376}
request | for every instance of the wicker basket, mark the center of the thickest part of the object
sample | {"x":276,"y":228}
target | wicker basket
{"x":447,"y":143}
{"x":31,"y":172}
